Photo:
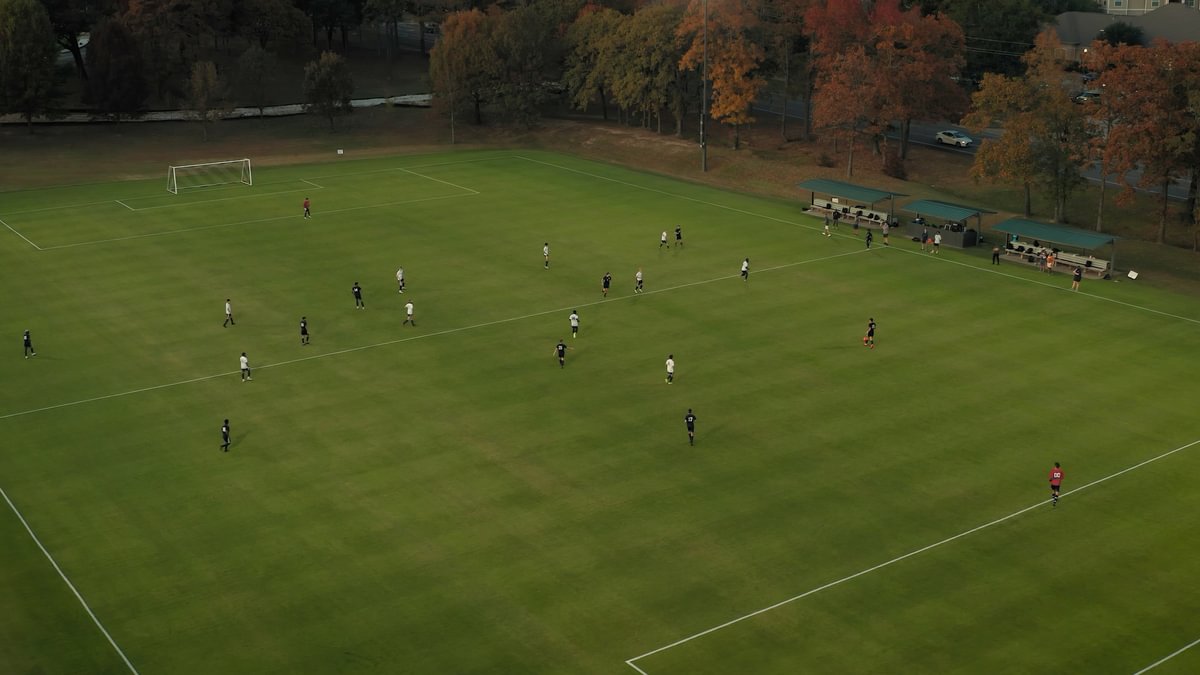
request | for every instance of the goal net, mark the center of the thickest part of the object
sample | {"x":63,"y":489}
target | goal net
{"x":209,"y":174}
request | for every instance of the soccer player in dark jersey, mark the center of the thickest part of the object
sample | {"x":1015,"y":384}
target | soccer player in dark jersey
{"x":225,"y":436}
{"x":1056,"y":476}
{"x":303,"y":330}
{"x":358,"y":301}
{"x":28,"y":342}
{"x":605,"y":283}
{"x":690,"y":420}
{"x":869,"y":338}
{"x":678,"y":235}
{"x":870,"y":238}
{"x":561,"y":350}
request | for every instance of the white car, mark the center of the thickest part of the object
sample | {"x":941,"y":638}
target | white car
{"x":953,"y":138}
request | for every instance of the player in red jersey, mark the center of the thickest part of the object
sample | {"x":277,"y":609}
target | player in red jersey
{"x":1056,"y":476}
{"x":307,"y":211}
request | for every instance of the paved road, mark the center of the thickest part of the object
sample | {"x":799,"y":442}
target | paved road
{"x":922,"y":133}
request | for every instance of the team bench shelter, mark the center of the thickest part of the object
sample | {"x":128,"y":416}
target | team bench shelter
{"x":851,"y":202}
{"x":952,"y":220}
{"x":1028,"y":238}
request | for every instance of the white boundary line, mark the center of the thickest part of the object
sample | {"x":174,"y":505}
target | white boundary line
{"x":443,"y":182}
{"x":78,"y":595}
{"x":303,"y":180}
{"x":1168,"y":657}
{"x":14,"y":231}
{"x":447,"y":331}
{"x":1056,"y":287}
{"x":124,"y":204}
{"x":281,"y":182}
{"x":244,"y":222}
{"x":897,"y":559}
{"x":202,"y":202}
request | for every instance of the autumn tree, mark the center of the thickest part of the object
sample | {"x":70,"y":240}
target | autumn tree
{"x":734,"y":57}
{"x":116,"y":74}
{"x":328,"y":86}
{"x":1153,"y":92}
{"x":1045,"y":138}
{"x":463,"y":65}
{"x":205,"y":94}
{"x":920,"y":55}
{"x":787,"y":54}
{"x":27,"y":53}
{"x":1104,"y":116}
{"x":844,"y":106}
{"x":591,"y":46}
{"x":645,"y":65}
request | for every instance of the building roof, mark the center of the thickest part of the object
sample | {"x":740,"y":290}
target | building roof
{"x":1055,"y":234}
{"x":932,"y":207}
{"x":837,"y":188}
{"x":1173,"y":22}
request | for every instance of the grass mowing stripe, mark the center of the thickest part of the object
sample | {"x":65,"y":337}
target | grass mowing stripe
{"x":1168,"y":657}
{"x":10,"y":229}
{"x":242,"y":222}
{"x":447,"y":331}
{"x":1058,"y":287}
{"x":669,"y":194}
{"x":818,"y":589}
{"x":70,"y":585}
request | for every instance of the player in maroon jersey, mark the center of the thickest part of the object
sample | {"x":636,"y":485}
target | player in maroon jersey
{"x":1056,"y":476}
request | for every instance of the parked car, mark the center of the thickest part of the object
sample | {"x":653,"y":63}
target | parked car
{"x":1088,"y":97}
{"x":1089,"y":76}
{"x":950,"y":137}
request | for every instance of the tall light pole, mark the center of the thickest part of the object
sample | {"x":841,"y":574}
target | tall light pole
{"x":704,"y":95}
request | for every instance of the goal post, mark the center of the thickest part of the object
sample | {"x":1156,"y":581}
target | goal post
{"x":208,"y":174}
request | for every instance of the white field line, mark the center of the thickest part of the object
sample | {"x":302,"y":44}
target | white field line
{"x":244,"y":222}
{"x":439,"y":180}
{"x":816,"y":228}
{"x":78,"y":595}
{"x":302,"y":180}
{"x":282,"y":182}
{"x":14,"y":231}
{"x":1166,"y":658}
{"x":218,"y":199}
{"x":124,"y":204}
{"x":1057,"y":287}
{"x":448,"y":331}
{"x":897,"y":559}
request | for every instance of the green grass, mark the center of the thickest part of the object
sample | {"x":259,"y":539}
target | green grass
{"x":445,"y":499}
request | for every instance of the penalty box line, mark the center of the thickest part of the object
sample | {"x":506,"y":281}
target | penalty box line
{"x":448,"y":331}
{"x":78,"y":596}
{"x":632,"y":662}
{"x":164,"y":233}
{"x":1168,"y":657}
{"x":26,"y":239}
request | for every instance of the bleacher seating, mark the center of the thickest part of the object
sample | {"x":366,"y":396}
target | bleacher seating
{"x":1029,"y":253}
{"x":867,"y":216}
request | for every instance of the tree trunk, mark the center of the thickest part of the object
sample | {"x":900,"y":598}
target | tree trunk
{"x":905,"y":129}
{"x":1100,"y":208}
{"x":787,"y":80}
{"x":1193,"y":184}
{"x":603,"y":102}
{"x":850,"y":160}
{"x":1028,"y":200}
{"x":737,"y":136}
{"x":810,"y":88}
{"x":329,"y":38}
{"x":71,"y":43}
{"x":1162,"y":216}
{"x":478,"y":111}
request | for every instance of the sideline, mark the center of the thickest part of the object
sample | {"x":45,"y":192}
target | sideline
{"x":631,"y":662}
{"x":447,"y":331}
{"x":1168,"y":657}
{"x":70,"y":585}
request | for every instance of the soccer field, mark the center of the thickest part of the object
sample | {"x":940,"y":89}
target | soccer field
{"x":444,"y":498}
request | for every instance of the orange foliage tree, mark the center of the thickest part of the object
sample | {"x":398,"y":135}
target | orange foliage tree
{"x":734,"y":57}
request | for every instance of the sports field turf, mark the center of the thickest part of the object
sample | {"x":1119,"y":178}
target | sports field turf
{"x":444,"y":499}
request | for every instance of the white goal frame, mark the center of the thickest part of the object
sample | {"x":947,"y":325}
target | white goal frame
{"x":243,"y":174}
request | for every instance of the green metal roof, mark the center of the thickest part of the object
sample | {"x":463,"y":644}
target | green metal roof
{"x":932,"y":207}
{"x":837,"y":188}
{"x":1055,"y":234}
